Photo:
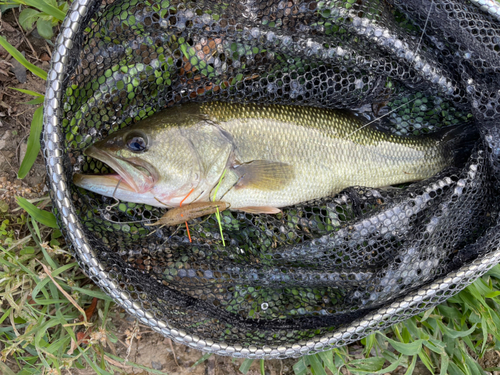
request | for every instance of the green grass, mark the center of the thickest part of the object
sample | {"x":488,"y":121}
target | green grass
{"x":44,"y":13}
{"x":43,"y":318}
{"x":43,"y":323}
{"x":45,"y":294}
{"x":33,"y":145}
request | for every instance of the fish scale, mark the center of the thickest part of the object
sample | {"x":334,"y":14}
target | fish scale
{"x":274,"y":156}
{"x":325,"y":158}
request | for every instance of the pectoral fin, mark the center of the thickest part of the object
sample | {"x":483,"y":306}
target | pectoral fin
{"x":264,"y":175}
{"x":260,"y":210}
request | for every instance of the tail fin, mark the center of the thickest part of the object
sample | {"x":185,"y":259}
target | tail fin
{"x":459,"y":141}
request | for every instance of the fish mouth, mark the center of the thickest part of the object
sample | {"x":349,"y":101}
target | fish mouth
{"x":134,"y":174}
{"x":104,"y":184}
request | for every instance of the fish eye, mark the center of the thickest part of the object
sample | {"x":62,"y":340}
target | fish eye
{"x":136,"y":142}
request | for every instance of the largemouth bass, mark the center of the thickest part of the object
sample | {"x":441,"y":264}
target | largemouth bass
{"x":263,"y":157}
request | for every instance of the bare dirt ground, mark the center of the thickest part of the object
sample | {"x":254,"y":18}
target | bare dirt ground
{"x":159,"y":352}
{"x":139,"y":344}
{"x":15,"y":117}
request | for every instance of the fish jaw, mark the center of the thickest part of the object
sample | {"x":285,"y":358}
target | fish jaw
{"x":139,"y":175}
{"x":108,"y":186}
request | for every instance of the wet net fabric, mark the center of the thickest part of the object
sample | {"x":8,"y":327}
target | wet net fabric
{"x":284,"y":283}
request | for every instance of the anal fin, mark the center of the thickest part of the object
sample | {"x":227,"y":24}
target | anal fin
{"x":259,"y":210}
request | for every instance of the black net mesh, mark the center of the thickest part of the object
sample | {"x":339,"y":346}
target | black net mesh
{"x":320,"y":266}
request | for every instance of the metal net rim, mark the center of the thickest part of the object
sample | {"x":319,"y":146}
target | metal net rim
{"x":418,"y":300}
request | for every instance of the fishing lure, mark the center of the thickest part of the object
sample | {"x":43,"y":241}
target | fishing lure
{"x":179,"y":215}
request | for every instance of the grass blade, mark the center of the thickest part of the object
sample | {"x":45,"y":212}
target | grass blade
{"x":246,"y":365}
{"x":368,"y":342}
{"x":202,"y":359}
{"x":327,"y":358}
{"x":5,"y":315}
{"x":33,"y":146}
{"x":39,"y":98}
{"x":445,"y":361}
{"x":4,"y":7}
{"x":49,"y":274}
{"x":28,"y":92}
{"x":93,"y":293}
{"x":411,"y":348}
{"x":17,"y":55}
{"x":43,"y":217}
{"x":36,"y":101}
{"x":93,"y":364}
{"x":4,"y":369}
{"x":454,"y":334}
{"x":300,"y":368}
{"x":47,"y":8}
{"x":316,"y":365}
{"x":495,"y":272}
{"x":492,"y":294}
{"x":410,"y":369}
{"x":132,"y":364}
{"x":367,"y":365}
{"x":37,"y":230}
